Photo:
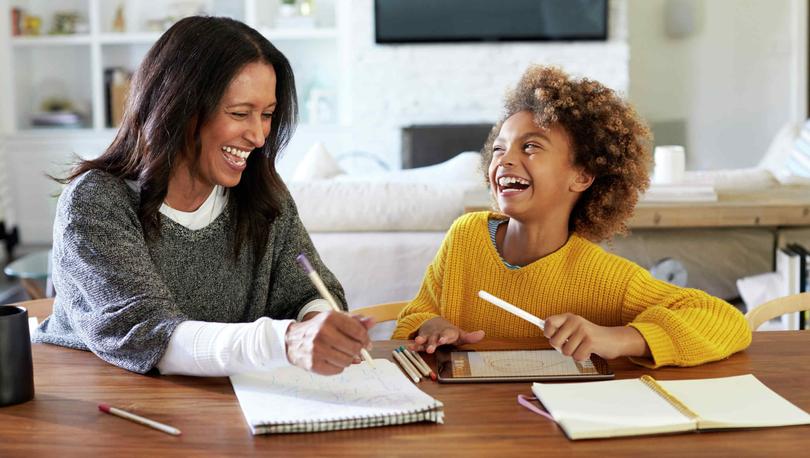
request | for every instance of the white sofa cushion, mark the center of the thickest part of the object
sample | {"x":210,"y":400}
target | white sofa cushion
{"x":317,"y":164}
{"x":343,"y":206}
{"x":421,"y":199}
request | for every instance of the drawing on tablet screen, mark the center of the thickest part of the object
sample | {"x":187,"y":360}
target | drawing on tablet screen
{"x":525,"y":363}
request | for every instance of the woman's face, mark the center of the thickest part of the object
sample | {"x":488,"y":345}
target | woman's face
{"x":240,"y":124}
{"x":531,"y":174}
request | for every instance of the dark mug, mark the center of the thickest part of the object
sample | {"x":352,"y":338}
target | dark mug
{"x":16,"y":365}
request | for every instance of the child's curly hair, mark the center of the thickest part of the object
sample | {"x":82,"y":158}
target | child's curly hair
{"x":608,"y":140}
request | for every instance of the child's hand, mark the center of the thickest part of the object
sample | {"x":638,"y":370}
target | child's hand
{"x":577,"y":337}
{"x":438,"y":331}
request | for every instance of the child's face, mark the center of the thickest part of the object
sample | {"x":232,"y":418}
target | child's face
{"x":531,"y":173}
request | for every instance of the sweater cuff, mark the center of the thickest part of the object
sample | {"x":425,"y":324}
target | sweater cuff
{"x":661,"y":346}
{"x":410,"y":324}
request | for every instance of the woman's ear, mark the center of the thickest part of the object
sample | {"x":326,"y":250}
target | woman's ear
{"x":582,"y":181}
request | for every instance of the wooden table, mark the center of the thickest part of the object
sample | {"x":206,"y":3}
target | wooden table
{"x":480,"y":419}
{"x":787,"y":206}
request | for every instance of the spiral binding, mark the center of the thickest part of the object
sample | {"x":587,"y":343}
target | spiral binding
{"x":669,"y":397}
{"x":433,"y":413}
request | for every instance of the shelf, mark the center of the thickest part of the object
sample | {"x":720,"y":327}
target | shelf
{"x":316,"y":33}
{"x":129,"y":38}
{"x":50,"y":40}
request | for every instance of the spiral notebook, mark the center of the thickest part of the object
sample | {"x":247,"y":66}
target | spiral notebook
{"x":647,"y":406}
{"x":292,"y":400}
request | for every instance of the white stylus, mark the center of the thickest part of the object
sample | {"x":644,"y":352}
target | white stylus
{"x":512,"y":309}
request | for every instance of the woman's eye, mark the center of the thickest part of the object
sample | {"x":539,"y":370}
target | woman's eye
{"x":267,"y":115}
{"x":238,"y":114}
{"x":531,"y":146}
{"x":497,"y":150}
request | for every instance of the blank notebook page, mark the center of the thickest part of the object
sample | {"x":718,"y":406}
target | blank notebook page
{"x":291,"y":396}
{"x":610,"y":408}
{"x":735,"y":401}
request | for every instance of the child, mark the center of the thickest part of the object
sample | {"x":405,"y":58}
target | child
{"x":566,"y":165}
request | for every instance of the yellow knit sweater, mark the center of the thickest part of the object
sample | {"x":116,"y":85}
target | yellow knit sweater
{"x":682,"y":326}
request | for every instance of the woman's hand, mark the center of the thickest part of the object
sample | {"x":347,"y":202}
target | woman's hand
{"x":327,"y":342}
{"x":438,"y":331}
{"x":577,"y":337}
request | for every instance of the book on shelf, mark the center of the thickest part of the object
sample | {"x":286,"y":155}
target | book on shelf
{"x":804,"y":258}
{"x":789,"y":268}
{"x":292,"y":400}
{"x":635,"y":407}
{"x":116,"y":89}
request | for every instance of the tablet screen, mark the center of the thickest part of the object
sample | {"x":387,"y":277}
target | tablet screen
{"x":513,"y":365}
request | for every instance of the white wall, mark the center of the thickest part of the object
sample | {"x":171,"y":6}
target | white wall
{"x":399,"y":85}
{"x":733,"y":79}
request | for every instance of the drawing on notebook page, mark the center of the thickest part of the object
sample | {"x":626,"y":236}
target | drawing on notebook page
{"x":342,"y":389}
{"x":292,"y":400}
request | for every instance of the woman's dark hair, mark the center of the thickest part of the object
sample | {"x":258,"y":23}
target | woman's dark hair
{"x":174,"y":92}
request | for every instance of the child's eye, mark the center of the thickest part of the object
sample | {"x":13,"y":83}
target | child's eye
{"x":531,"y":146}
{"x":497,"y":150}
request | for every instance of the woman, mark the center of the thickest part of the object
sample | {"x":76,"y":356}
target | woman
{"x":176,"y":248}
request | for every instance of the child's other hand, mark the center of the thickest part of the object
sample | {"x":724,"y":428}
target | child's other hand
{"x":438,"y":331}
{"x":577,"y":337}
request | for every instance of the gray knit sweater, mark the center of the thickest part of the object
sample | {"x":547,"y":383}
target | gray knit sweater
{"x":121,"y":297}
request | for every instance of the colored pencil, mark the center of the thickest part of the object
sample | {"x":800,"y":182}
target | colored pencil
{"x":106,"y":408}
{"x":324,"y":292}
{"x":424,"y":364}
{"x":406,"y":366}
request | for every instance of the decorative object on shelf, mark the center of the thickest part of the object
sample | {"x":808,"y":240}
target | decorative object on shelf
{"x":295,"y":14}
{"x":65,"y":22}
{"x":17,"y":21}
{"x":119,"y":24}
{"x":176,"y":11}
{"x":319,"y":106}
{"x":287,"y":8}
{"x":56,"y":112}
{"x":31,"y":25}
{"x":306,"y":7}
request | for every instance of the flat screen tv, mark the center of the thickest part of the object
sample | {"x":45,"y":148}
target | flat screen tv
{"x":430,"y":21}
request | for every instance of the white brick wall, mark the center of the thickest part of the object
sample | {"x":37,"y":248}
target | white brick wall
{"x":392,"y":86}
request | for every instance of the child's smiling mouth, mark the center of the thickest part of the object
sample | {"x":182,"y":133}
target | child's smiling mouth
{"x":512,"y":184}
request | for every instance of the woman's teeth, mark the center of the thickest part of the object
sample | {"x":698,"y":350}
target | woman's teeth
{"x":240,"y":156}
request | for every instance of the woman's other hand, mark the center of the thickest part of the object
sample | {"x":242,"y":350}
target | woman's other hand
{"x":438,"y":331}
{"x":327,"y":342}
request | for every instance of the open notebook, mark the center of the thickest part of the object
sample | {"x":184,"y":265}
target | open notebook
{"x":646,"y":406}
{"x":292,"y":400}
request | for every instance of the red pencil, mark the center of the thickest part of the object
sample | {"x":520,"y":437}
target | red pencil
{"x":106,"y":408}
{"x":422,"y":361}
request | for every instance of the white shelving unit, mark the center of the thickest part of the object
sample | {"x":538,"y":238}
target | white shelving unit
{"x":72,"y":67}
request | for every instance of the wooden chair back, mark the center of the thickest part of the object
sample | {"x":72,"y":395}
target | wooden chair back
{"x":382,"y":312}
{"x":777,"y":307}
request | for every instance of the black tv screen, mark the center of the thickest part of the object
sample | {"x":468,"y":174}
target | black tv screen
{"x":425,"y":21}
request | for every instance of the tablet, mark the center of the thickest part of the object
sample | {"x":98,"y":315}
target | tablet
{"x":460,"y":366}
